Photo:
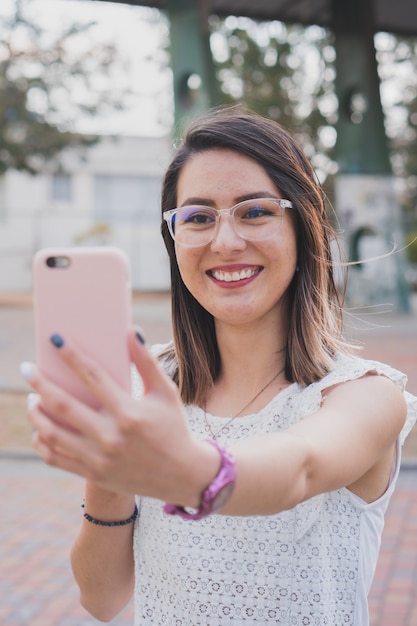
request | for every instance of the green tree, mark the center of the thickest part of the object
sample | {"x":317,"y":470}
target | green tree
{"x":284,"y":72}
{"x":46,"y":81}
{"x":287,"y":73}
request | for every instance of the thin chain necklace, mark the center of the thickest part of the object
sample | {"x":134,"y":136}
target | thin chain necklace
{"x":214,"y":435}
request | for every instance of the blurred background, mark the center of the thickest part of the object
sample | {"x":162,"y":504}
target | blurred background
{"x":94,"y":95}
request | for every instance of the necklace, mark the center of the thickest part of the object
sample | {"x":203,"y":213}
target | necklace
{"x":215,"y":434}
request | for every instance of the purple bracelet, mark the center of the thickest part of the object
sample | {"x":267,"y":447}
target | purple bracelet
{"x":216,"y":494}
{"x":100,"y":522}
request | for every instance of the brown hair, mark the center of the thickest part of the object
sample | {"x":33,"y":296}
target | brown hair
{"x":315,"y":313}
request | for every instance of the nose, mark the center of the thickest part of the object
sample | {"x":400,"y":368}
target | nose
{"x":225,"y":236}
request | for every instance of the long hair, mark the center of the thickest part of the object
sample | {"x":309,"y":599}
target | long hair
{"x":315,"y":304}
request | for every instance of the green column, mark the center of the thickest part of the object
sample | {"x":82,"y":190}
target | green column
{"x":191,"y":60}
{"x":365,"y":195}
{"x":361,"y":139}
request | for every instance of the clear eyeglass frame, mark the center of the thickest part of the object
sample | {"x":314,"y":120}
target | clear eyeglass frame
{"x":262,"y":234}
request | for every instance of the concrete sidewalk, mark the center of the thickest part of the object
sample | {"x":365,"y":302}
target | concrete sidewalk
{"x":151,"y":312}
{"x":386,"y":336}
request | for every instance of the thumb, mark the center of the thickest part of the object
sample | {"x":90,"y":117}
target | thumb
{"x":154,"y":379}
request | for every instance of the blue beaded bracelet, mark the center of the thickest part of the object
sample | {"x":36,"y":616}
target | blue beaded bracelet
{"x":100,"y":522}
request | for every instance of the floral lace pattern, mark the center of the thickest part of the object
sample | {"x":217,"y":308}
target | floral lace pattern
{"x":302,"y":567}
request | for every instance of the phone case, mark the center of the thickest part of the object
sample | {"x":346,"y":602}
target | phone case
{"x":83,"y":294}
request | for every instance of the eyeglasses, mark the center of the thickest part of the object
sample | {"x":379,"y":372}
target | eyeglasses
{"x":254,"y":220}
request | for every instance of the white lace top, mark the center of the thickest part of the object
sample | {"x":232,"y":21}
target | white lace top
{"x":311,"y":565}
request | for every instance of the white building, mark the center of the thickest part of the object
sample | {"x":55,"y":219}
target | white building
{"x":109,"y":195}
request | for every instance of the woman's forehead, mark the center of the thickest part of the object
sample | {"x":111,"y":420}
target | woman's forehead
{"x":223,"y":171}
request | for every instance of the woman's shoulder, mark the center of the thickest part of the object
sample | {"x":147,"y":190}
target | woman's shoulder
{"x":164,"y":353}
{"x":348,"y":368}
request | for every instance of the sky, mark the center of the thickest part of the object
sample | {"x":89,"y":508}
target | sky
{"x":138,"y":33}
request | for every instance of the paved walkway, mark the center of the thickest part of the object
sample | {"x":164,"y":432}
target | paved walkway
{"x":40,"y":507}
{"x":40,"y":512}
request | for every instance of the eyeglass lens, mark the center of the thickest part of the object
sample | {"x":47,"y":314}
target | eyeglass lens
{"x":252,"y":219}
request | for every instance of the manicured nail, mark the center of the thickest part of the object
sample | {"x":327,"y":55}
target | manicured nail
{"x":27,"y":370}
{"x":31,"y":400}
{"x":57,"y":341}
{"x":140,"y":337}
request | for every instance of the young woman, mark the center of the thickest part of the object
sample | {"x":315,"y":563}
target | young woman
{"x":276,"y":448}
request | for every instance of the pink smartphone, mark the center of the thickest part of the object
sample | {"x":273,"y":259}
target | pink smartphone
{"x":84,"y":295}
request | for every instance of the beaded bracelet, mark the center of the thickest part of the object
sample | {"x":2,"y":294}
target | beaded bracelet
{"x":100,"y":522}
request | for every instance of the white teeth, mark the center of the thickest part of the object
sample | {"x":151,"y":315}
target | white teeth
{"x":229,"y":277}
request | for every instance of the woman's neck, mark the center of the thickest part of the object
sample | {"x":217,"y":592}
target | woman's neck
{"x":250,"y":358}
{"x":256,"y":345}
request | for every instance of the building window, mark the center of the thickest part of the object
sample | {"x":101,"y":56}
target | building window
{"x":61,"y":188}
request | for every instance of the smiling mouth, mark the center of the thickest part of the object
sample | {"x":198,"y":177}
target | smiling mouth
{"x":231,"y":277}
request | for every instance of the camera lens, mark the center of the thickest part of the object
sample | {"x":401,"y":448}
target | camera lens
{"x":58,"y":261}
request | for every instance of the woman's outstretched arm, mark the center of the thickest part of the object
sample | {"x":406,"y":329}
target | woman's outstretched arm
{"x":102,"y":556}
{"x":144,"y":445}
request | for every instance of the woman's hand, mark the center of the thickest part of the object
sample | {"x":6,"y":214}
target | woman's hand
{"x":131,"y":445}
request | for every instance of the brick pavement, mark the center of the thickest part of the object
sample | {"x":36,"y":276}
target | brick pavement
{"x":40,"y":507}
{"x":40,"y":512}
{"x":393,"y":598}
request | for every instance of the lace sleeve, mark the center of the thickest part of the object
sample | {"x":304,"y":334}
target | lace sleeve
{"x":411,"y":416}
{"x":352,"y":368}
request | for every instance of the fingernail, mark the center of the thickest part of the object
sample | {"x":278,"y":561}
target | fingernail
{"x":140,"y":337}
{"x":57,"y":341}
{"x":31,"y":400}
{"x":27,"y":370}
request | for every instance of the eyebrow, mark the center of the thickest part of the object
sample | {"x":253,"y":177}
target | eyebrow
{"x":250,"y":196}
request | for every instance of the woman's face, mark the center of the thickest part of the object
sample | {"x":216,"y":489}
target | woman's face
{"x":236,"y":280}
